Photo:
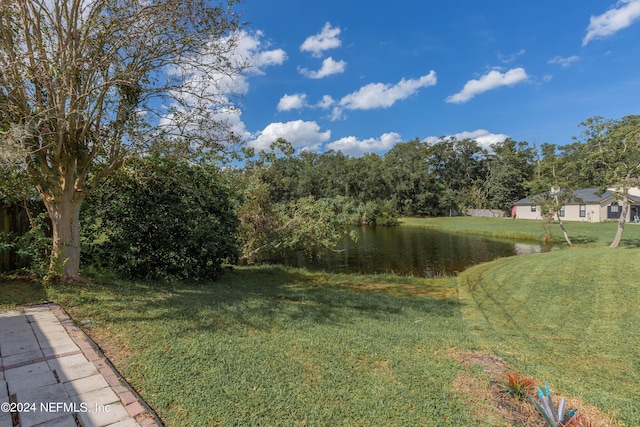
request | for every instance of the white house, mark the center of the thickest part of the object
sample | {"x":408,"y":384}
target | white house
{"x":587,"y":204}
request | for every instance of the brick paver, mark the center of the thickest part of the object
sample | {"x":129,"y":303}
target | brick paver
{"x":54,"y":376}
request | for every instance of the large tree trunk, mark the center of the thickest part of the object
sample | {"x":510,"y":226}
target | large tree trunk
{"x":65,"y":253}
{"x":621,"y":221}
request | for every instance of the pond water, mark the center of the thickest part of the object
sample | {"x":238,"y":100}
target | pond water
{"x":411,"y":251}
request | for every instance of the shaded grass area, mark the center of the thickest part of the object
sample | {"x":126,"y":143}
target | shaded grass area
{"x":275,"y":346}
{"x":582,"y":233}
{"x":18,"y":290}
{"x":570,"y":318}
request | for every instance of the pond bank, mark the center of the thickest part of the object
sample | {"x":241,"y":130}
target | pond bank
{"x":581,"y":233}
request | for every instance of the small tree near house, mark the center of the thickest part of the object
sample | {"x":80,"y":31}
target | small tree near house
{"x":555,"y":184}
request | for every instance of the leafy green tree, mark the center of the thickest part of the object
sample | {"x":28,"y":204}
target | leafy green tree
{"x":510,"y":169}
{"x":575,"y":164}
{"x":365,"y":177}
{"x":612,"y":155}
{"x":161,"y":218}
{"x":85,"y":84}
{"x":406,"y":172}
{"x":258,"y":217}
{"x":459,"y":167}
{"x":284,"y":177}
{"x":331,"y":171}
{"x":309,"y":179}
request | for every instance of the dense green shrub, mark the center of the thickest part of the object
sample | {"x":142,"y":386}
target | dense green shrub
{"x":159,"y":218}
{"x":377,"y":212}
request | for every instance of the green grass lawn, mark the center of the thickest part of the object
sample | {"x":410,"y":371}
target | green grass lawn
{"x":274,"y":346}
{"x":581,"y":233}
{"x":569,"y":317}
{"x":279,"y":346}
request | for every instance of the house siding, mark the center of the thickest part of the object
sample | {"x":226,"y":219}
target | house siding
{"x":595,"y":210}
{"x":571,"y":213}
{"x":524,"y":212}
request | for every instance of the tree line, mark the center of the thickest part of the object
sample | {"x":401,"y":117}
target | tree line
{"x":280,"y":200}
{"x":416,"y":178}
{"x":167,"y":215}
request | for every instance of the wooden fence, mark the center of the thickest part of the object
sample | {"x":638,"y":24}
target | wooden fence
{"x":14,"y":221}
{"x":491,"y":213}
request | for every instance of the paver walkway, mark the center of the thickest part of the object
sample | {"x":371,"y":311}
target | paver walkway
{"x":52,"y":375}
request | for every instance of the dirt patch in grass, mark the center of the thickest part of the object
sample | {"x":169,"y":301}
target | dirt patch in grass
{"x":491,"y":405}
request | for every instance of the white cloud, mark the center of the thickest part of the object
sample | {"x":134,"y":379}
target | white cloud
{"x":251,"y":55}
{"x":253,"y":51}
{"x":298,"y":101}
{"x":336,"y":114}
{"x":326,"y":102}
{"x":621,"y":16}
{"x":292,"y":102}
{"x":353,"y":146}
{"x":483,"y":137}
{"x":204,"y":101}
{"x":493,"y":79}
{"x":271,"y":57}
{"x":329,"y":67}
{"x":505,"y":59}
{"x":380,"y":95}
{"x":233,"y":120}
{"x":327,"y":39}
{"x":564,"y":62}
{"x":300,"y":134}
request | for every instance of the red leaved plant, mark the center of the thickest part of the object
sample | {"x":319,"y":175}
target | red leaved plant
{"x":517,"y":385}
{"x":577,"y":421}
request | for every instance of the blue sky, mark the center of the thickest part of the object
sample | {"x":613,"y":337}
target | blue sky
{"x":360,"y":76}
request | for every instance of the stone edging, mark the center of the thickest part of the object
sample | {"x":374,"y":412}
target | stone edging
{"x":131,"y":400}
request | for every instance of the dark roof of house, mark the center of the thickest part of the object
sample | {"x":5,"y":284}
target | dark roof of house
{"x":581,"y":196}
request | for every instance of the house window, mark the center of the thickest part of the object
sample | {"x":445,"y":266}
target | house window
{"x":533,"y":208}
{"x":561,"y":212}
{"x":583,"y":211}
{"x":613,"y":211}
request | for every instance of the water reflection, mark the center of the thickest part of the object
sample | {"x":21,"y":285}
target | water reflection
{"x":528,"y":248}
{"x":411,"y":251}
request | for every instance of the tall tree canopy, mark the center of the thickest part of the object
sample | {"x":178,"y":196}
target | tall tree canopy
{"x":87,"y":83}
{"x":510,"y":167}
{"x":612,"y":158}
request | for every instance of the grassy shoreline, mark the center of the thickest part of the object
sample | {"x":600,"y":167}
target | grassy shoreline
{"x":275,"y":345}
{"x":581,"y":233}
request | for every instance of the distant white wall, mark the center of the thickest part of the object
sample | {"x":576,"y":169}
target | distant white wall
{"x":524,"y":212}
{"x":593,"y":213}
{"x":490,"y":213}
